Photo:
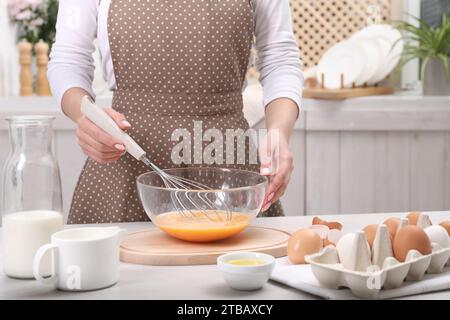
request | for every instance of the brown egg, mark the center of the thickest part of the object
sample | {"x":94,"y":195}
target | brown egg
{"x":413,"y":217}
{"x":317,"y":220}
{"x":334,"y":225}
{"x":408,"y":238}
{"x":446,"y":225}
{"x":392,"y":225}
{"x":331,"y":224}
{"x":370,"y":231}
{"x":301,"y":243}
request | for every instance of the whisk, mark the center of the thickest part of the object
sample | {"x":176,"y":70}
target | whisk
{"x":187,"y":193}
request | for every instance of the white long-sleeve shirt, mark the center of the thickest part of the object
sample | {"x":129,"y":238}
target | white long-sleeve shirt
{"x":81,"y":21}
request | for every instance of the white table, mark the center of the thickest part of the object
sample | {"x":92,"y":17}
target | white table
{"x":195,"y":282}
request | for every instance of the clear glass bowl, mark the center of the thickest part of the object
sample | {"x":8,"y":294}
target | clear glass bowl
{"x":172,"y":210}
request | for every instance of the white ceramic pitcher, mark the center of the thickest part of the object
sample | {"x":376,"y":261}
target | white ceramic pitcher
{"x":82,"y":258}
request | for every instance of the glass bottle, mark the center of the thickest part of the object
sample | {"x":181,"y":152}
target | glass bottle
{"x":31,"y":202}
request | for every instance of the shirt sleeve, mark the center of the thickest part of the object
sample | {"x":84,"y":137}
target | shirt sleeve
{"x":278,"y":56}
{"x":71,"y":62}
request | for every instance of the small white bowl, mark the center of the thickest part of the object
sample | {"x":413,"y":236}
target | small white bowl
{"x":242,"y":277}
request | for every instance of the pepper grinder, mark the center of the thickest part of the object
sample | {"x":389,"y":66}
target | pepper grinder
{"x":42,"y":87}
{"x":26,"y":76}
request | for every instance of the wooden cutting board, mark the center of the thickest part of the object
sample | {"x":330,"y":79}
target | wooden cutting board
{"x":154,"y":247}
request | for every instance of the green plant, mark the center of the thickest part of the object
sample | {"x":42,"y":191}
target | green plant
{"x":426,"y":42}
{"x":35,"y":19}
{"x":47,"y":31}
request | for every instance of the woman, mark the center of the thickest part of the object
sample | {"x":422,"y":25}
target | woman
{"x":171,"y":64}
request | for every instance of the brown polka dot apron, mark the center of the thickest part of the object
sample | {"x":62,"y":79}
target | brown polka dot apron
{"x":177,"y":64}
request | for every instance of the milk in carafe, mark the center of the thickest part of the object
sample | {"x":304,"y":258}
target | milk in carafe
{"x":31,"y":197}
{"x":23,"y":233}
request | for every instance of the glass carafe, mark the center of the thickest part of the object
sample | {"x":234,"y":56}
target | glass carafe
{"x":31,"y":201}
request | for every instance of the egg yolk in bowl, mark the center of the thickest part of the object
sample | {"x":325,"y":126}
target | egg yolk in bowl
{"x":202,"y":225}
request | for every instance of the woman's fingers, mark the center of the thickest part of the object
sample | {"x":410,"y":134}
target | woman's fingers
{"x":275,"y":184}
{"x":98,"y":144}
{"x":87,"y":139}
{"x":118,"y":118}
{"x":85,"y":125}
{"x":279,"y":181}
{"x":97,"y":155}
{"x":282,"y":188}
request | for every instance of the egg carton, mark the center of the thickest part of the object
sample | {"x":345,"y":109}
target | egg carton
{"x":366,"y":272}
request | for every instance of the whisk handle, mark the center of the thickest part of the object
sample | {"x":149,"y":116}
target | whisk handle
{"x":100,"y":118}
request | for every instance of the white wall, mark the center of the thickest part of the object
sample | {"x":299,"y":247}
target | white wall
{"x":410,"y":72}
{"x":9,"y":66}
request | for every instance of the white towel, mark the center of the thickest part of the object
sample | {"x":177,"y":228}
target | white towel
{"x":302,"y":278}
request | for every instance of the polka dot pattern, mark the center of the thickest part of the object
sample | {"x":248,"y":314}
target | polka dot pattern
{"x":175,"y":62}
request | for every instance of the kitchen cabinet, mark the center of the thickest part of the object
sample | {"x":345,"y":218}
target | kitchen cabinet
{"x":371,"y":154}
{"x":378,"y":154}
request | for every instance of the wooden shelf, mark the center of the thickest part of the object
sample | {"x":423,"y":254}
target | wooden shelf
{"x":345,"y":93}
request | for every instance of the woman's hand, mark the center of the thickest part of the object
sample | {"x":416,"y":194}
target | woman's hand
{"x":276,"y":163}
{"x":275,"y":156}
{"x":96,"y":143}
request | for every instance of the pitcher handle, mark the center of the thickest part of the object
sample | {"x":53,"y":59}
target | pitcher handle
{"x":37,"y":263}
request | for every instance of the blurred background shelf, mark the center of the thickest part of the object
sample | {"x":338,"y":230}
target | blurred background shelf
{"x":345,"y":93}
